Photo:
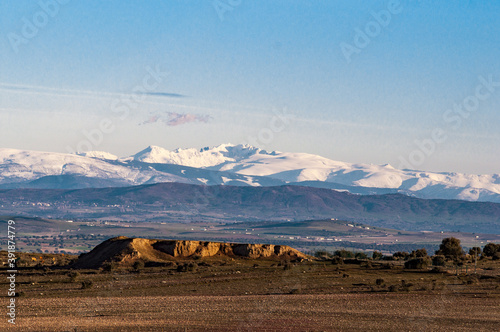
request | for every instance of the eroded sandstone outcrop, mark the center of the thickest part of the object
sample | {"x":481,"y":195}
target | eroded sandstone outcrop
{"x":124,"y":251}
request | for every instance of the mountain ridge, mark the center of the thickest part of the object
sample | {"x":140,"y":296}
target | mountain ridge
{"x":240,"y":165}
{"x":178,"y":202}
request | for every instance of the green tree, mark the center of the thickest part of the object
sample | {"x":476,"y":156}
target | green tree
{"x":450,"y":248}
{"x":418,"y":253}
{"x":344,"y":253}
{"x":401,"y":255}
{"x":475,"y":251}
{"x":490,"y":249}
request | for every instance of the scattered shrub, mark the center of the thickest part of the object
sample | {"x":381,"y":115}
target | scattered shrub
{"x":360,"y":255}
{"x":401,"y":255}
{"x":86,"y":284}
{"x":438,"y":269}
{"x":337,"y":260}
{"x":379,"y":281}
{"x":322,"y":254}
{"x":138,"y":265}
{"x":377,"y":255}
{"x":418,"y":263}
{"x":73,"y":276}
{"x":191,"y":267}
{"x":367,"y":265}
{"x":109,"y":267}
{"x":438,"y":260}
{"x":344,"y":253}
{"x":419,"y":253}
{"x":392,"y":288}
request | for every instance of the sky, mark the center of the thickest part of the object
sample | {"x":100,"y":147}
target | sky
{"x":414,"y":84}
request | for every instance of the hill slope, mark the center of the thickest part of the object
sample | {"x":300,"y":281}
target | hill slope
{"x":183,"y":202}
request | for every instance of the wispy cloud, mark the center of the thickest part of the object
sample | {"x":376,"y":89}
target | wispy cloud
{"x":165,"y":94}
{"x":176,"y":119}
{"x":70,"y":92}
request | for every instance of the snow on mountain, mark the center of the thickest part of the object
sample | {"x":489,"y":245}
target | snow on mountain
{"x":19,"y":168}
{"x":98,"y":155}
{"x":301,"y":167}
{"x":244,"y":165}
{"x":196,"y":158}
{"x":20,"y":165}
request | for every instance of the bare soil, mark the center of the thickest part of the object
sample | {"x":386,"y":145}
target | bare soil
{"x":242,"y":295}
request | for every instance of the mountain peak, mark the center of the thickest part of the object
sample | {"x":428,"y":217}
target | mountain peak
{"x":204,"y":157}
{"x":98,"y":155}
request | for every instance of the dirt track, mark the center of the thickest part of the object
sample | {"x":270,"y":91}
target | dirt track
{"x":408,"y":312}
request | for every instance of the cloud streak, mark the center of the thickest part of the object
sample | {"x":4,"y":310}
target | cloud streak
{"x":165,"y":94}
{"x":177,"y":119}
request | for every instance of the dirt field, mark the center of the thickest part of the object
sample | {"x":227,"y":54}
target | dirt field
{"x":379,"y":312}
{"x":257,"y":296}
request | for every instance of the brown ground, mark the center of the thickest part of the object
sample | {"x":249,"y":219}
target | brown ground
{"x":252,"y":295}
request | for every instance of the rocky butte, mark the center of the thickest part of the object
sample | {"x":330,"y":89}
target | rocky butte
{"x":125,"y":251}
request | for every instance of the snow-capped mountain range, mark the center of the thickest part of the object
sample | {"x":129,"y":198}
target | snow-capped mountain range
{"x":240,"y":165}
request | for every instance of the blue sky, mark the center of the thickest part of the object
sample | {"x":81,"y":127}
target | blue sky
{"x":271,"y":73}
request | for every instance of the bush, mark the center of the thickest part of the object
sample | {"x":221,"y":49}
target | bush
{"x":419,"y":253}
{"x":438,"y":260}
{"x":360,"y":255}
{"x":109,"y":267}
{"x":138,"y":265}
{"x":86,"y":284}
{"x":418,"y":263}
{"x":73,"y":276}
{"x":187,"y":267}
{"x":377,"y":255}
{"x":344,"y":253}
{"x":337,"y":260}
{"x":490,"y":249}
{"x":401,"y":255}
{"x":379,"y":282}
{"x":322,"y":254}
{"x":438,"y":269}
{"x":496,"y":256}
